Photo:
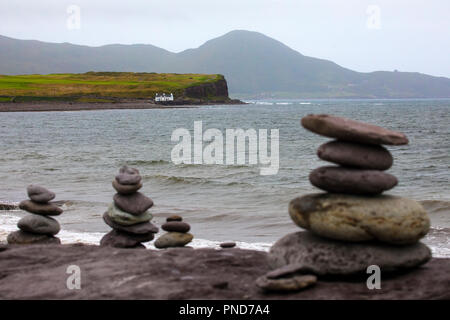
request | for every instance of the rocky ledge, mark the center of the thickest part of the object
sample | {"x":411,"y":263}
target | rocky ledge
{"x":40,"y":272}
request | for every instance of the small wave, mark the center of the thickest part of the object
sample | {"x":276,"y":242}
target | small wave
{"x":433,"y":206}
{"x":8,"y":224}
{"x":34,"y":155}
{"x":264,"y":103}
{"x":144,"y":163}
{"x":437,"y":239}
{"x":228,"y":166}
{"x":284,"y":103}
{"x":195,"y":180}
{"x":305,"y":103}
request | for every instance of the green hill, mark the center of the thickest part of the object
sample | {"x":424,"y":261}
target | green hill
{"x":253,"y":64}
{"x":110,"y":86}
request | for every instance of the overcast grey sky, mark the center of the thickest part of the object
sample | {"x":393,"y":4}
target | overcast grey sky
{"x":410,"y":35}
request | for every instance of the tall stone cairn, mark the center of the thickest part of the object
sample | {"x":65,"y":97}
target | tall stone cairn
{"x":351,"y":225}
{"x":128,"y":214}
{"x":38,"y":227}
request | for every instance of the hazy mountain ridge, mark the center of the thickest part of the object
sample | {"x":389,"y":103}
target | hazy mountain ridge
{"x":253,"y":64}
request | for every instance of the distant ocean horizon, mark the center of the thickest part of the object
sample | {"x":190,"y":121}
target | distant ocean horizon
{"x":77,"y":154}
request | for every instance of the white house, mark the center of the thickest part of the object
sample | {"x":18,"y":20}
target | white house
{"x":163,"y":97}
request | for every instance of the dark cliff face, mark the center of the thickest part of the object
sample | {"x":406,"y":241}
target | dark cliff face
{"x":218,"y":88}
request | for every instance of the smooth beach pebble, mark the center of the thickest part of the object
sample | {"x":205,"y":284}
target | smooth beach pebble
{"x":176,"y":226}
{"x":117,"y":239}
{"x":228,"y":244}
{"x":46,"y":209}
{"x":351,"y":180}
{"x":173,"y":239}
{"x":312,"y":254}
{"x":138,"y":229}
{"x":39,"y":224}
{"x":174,"y":218}
{"x":121,"y":217}
{"x":127,"y":179}
{"x":350,"y":154}
{"x":39,"y":194}
{"x":128,"y":170}
{"x":385,"y":218}
{"x":294,"y":283}
{"x":285,"y":271}
{"x":351,"y":130}
{"x":126,"y":189}
{"x":135,"y":203}
{"x":22,"y":237}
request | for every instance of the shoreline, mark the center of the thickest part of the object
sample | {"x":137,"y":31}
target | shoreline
{"x":46,"y":106}
{"x":82,"y":106}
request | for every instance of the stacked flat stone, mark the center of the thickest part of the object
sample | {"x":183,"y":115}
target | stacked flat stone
{"x":128,"y":215}
{"x":177,"y":233}
{"x":352,"y":225}
{"x":38,"y":227}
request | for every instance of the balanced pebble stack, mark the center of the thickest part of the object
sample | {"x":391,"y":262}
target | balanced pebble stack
{"x":38,"y":227}
{"x":352,"y":225}
{"x":177,"y":233}
{"x":128,"y":215}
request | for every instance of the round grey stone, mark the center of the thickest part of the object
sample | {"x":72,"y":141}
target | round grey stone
{"x":118,"y":239}
{"x":39,"y":224}
{"x":173,"y":239}
{"x":128,"y":176}
{"x":320,"y":256}
{"x":39,"y":194}
{"x":343,"y":217}
{"x":22,"y":237}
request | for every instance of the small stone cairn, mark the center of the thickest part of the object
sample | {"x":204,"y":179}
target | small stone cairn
{"x":352,"y":225}
{"x":177,"y":233}
{"x":128,"y":215}
{"x":38,"y":227}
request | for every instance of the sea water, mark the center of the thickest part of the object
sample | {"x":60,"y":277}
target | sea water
{"x":77,"y":154}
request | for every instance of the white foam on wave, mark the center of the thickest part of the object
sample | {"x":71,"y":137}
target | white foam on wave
{"x":440,"y":246}
{"x":8,"y":223}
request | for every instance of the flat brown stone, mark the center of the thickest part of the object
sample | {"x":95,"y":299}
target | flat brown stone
{"x":126,"y":189}
{"x":365,"y":156}
{"x":176,"y":226}
{"x":351,"y":130}
{"x":351,"y":180}
{"x":294,"y":283}
{"x":46,"y":209}
{"x":174,"y":218}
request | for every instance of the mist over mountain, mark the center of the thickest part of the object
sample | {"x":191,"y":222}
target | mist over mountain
{"x":254,"y":65}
